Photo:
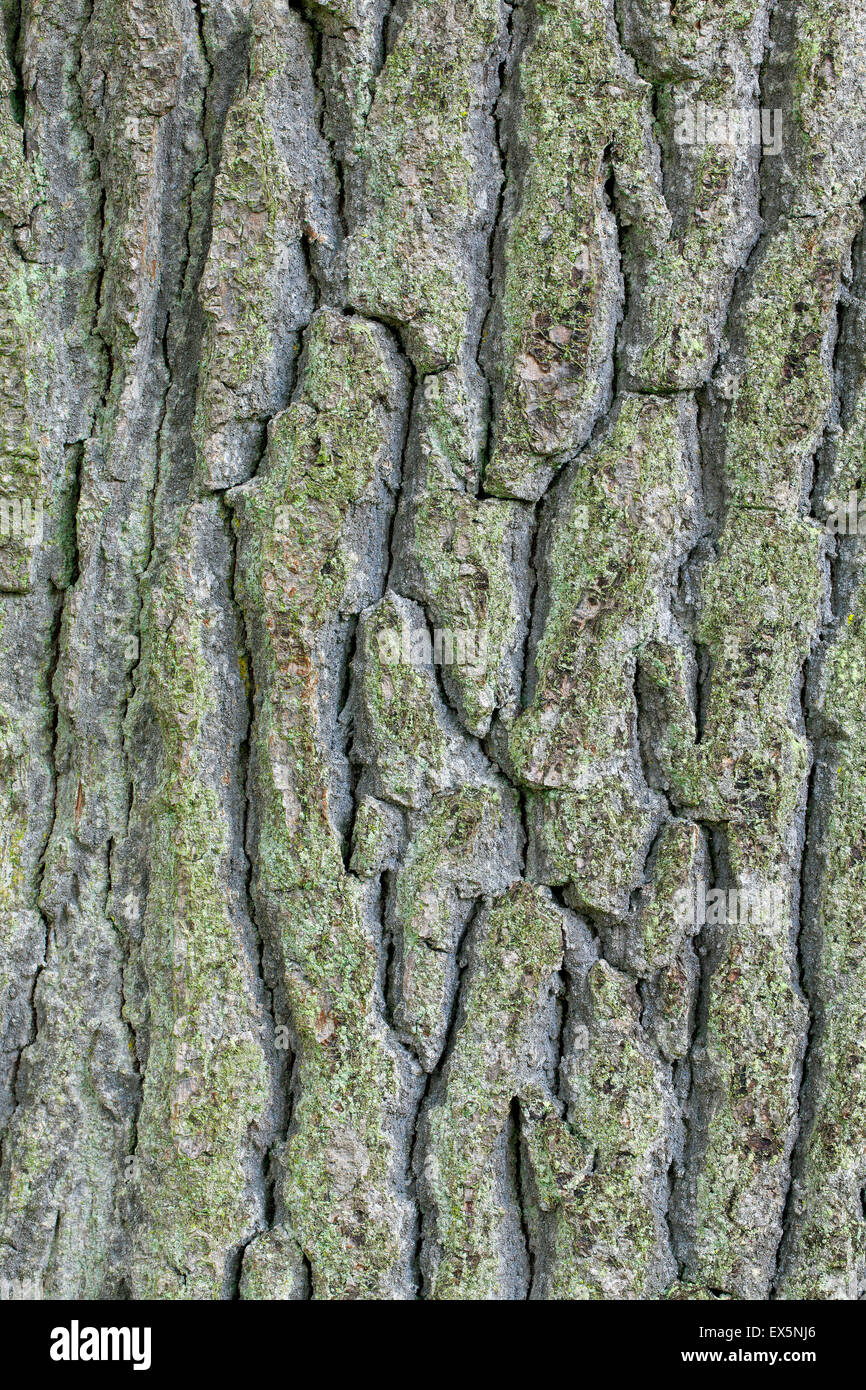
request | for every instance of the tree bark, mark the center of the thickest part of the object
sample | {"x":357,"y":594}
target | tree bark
{"x":433,"y":633}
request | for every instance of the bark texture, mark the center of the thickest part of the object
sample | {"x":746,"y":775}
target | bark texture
{"x":339,"y":959}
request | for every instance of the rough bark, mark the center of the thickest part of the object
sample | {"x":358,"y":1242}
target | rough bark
{"x":418,"y":580}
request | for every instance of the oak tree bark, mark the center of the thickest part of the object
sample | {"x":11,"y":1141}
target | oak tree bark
{"x":432,"y":723}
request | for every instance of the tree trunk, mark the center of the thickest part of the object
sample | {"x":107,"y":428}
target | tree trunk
{"x":432,"y":721}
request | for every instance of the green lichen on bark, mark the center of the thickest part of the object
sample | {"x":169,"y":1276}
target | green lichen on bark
{"x":462,"y":556}
{"x":823,"y":1251}
{"x":424,"y":192}
{"x":431,"y":665}
{"x":560,"y":297}
{"x":607,"y":1238}
{"x":623,"y":523}
{"x":621,"y":526}
{"x":273,"y":200}
{"x":21,"y":490}
{"x":331,"y":457}
{"x":826,"y":1250}
{"x":207,"y":1093}
{"x":445,"y":868}
{"x":465,"y":1172}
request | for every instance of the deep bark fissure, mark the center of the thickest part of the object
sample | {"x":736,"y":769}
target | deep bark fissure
{"x":13,"y":21}
{"x":167,"y":354}
{"x":431,"y":1083}
{"x":61,"y":600}
{"x":812,"y":871}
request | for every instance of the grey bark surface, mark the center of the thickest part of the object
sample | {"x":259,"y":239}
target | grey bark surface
{"x":425,"y":428}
